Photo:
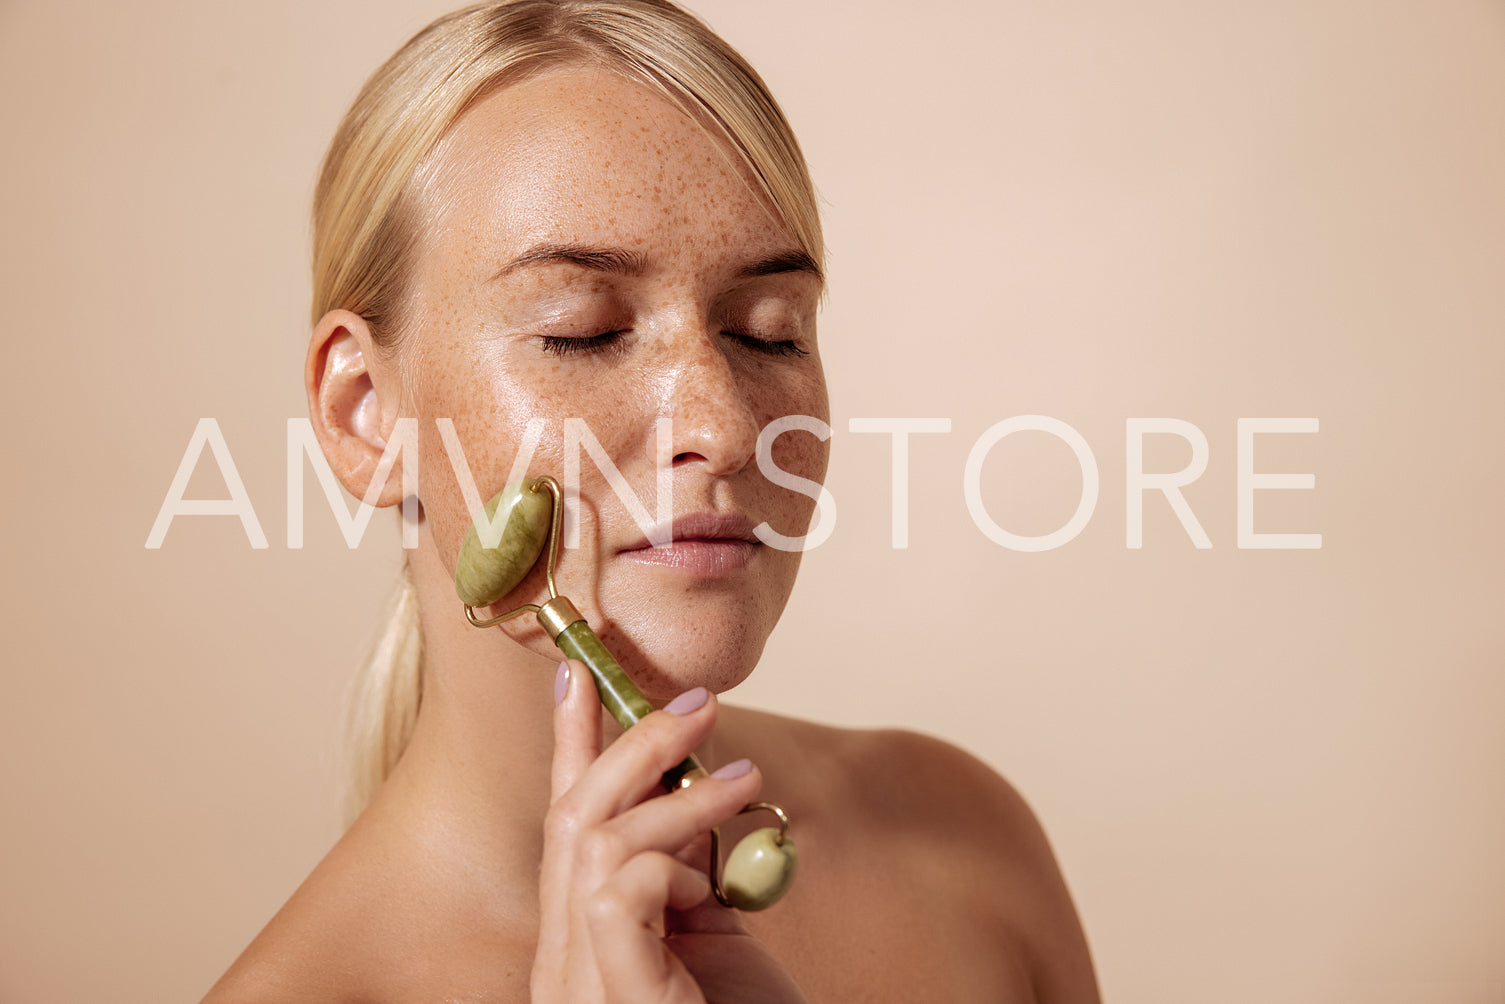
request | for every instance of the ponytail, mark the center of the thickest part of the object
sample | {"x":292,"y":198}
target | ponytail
{"x":384,"y":701}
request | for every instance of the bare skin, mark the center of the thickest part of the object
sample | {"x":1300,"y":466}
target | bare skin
{"x":516,"y":851}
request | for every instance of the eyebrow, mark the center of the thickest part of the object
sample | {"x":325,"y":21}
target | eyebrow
{"x":597,"y":259}
{"x":793,"y":260}
{"x":627,"y":262}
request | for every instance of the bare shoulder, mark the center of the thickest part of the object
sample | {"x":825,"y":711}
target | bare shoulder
{"x":949,"y":805}
{"x":365,"y":926}
{"x":908,"y":783}
{"x":943,"y":827}
{"x":290,"y":959}
{"x":924,"y":784}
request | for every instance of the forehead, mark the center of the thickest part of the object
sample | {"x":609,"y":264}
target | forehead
{"x":581,"y":154}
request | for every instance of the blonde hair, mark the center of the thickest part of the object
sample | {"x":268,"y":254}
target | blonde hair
{"x":367,"y":215}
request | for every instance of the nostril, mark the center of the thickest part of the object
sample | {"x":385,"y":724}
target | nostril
{"x":684,"y":458}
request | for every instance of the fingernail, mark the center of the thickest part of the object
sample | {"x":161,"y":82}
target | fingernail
{"x":734,"y":769}
{"x":561,"y":682}
{"x":687,"y":702}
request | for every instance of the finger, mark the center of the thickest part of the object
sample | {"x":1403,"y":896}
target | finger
{"x":631,"y":767}
{"x":669,"y":824}
{"x":706,"y":917}
{"x":623,"y":917}
{"x":577,"y":728}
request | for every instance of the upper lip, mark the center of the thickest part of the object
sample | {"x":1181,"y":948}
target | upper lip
{"x":703,"y":526}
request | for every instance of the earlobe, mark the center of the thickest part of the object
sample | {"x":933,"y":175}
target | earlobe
{"x":348,"y":404}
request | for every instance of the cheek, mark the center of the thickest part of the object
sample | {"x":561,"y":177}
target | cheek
{"x":491,"y":406}
{"x":802,"y":391}
{"x":796,"y":450}
{"x":471,"y":423}
{"x":792,"y":507}
{"x":803,"y":453}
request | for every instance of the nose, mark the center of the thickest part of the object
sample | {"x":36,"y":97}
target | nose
{"x":712,"y":421}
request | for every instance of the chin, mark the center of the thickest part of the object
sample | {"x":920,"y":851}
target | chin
{"x":668,"y":654}
{"x":672,"y":632}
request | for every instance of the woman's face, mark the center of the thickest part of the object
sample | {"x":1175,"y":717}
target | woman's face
{"x":593,"y":255}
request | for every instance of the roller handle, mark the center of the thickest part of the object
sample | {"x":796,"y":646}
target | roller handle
{"x":762,"y":865}
{"x":618,"y":693}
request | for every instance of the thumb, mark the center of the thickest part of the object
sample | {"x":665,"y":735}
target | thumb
{"x":577,"y":726}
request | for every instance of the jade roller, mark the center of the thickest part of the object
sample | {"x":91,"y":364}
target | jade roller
{"x":761,"y":867}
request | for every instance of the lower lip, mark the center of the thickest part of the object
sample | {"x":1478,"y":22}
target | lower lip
{"x":698,"y":557}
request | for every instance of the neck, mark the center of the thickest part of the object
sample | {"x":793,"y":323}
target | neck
{"x":478,"y":765}
{"x":483,"y":740}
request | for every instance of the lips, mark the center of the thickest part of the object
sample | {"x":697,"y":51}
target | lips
{"x":707,"y":526}
{"x":703,"y":543}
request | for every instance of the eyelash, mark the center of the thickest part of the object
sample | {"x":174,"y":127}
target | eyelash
{"x":555,"y":345}
{"x":767,"y":347}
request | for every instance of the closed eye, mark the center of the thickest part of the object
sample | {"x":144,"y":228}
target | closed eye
{"x":767,"y":346}
{"x":558,"y":345}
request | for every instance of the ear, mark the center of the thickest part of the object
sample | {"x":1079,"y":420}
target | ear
{"x":352,"y":405}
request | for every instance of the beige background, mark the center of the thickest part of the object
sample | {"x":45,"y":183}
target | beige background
{"x":1269,"y":775}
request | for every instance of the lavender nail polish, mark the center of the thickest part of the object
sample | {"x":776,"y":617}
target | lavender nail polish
{"x":734,"y":769}
{"x":687,"y":702}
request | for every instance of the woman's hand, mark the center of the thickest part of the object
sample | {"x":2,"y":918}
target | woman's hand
{"x":626,"y":909}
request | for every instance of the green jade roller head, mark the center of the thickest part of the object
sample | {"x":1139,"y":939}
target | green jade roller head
{"x":761,"y":867}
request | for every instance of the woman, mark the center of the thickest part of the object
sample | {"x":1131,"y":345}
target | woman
{"x":565,"y":223}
